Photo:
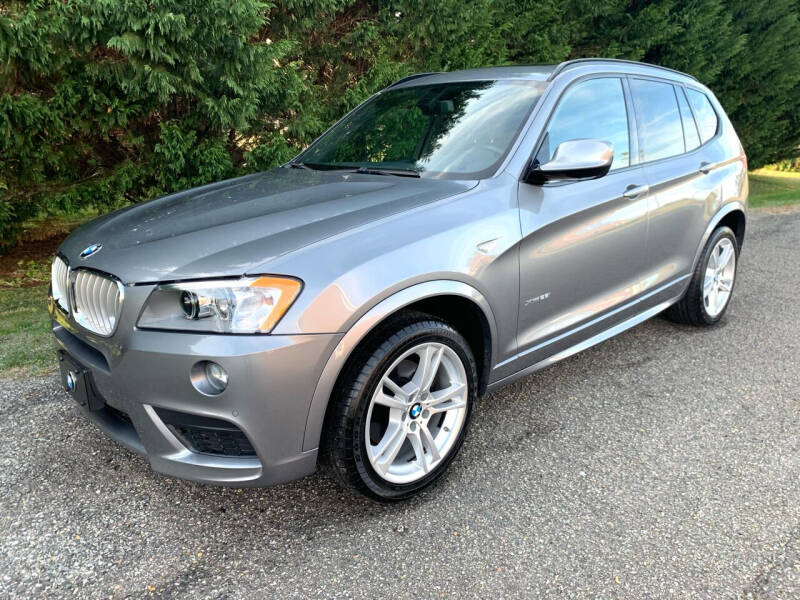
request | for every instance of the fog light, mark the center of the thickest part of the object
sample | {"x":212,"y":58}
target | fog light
{"x":209,"y":378}
{"x":217,"y":376}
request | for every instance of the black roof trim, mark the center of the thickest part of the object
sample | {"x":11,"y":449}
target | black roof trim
{"x":569,"y":63}
{"x":410,"y":77}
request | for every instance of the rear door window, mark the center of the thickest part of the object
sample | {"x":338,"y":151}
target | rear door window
{"x":704,"y":113}
{"x":690,"y":135}
{"x":659,"y":120}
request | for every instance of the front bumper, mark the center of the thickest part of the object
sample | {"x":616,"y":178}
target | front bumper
{"x":143,"y":374}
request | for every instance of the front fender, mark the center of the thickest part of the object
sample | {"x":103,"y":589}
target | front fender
{"x":359,"y":330}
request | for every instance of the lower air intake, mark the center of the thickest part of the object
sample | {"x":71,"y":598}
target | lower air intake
{"x":207,"y":435}
{"x":223,"y":442}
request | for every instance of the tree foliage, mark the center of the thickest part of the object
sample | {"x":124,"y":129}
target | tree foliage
{"x":104,"y":102}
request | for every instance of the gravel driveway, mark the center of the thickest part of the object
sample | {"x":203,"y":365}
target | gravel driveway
{"x":662,"y":463}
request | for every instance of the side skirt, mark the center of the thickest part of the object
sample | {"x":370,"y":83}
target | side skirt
{"x":587,"y":343}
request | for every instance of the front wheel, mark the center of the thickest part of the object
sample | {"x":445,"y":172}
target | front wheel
{"x":402,"y":410}
{"x":711,"y":287}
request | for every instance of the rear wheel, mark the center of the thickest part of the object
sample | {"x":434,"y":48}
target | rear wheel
{"x":402,"y":410}
{"x":711,"y":287}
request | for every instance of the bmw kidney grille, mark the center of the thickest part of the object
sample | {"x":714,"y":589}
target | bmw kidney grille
{"x":93,"y":299}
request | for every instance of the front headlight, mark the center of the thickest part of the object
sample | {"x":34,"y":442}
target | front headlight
{"x":223,"y":306}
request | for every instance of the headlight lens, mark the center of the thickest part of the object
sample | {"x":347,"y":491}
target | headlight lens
{"x":253,"y":305}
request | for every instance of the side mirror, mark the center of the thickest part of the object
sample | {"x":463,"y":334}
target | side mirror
{"x":574,"y":159}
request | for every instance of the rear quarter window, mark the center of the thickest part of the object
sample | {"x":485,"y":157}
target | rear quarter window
{"x":707,"y":120}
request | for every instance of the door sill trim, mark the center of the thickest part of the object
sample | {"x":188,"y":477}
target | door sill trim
{"x":591,"y":341}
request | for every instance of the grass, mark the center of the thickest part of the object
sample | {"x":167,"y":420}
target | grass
{"x":28,"y":347}
{"x":774,"y":188}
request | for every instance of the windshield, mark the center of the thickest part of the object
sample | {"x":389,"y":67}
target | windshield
{"x":457,"y":130}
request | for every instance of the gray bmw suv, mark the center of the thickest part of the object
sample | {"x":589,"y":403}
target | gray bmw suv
{"x":454,"y":232}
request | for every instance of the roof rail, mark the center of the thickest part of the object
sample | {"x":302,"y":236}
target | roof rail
{"x":568,"y":63}
{"x":410,"y":77}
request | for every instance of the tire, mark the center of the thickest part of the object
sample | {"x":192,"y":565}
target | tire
{"x":364,"y":426}
{"x":697,"y":306}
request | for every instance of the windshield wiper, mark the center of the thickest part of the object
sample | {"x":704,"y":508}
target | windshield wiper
{"x":320,"y":167}
{"x":364,"y":170}
{"x":398,"y":172}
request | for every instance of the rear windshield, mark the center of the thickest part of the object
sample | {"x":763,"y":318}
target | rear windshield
{"x":457,"y":130}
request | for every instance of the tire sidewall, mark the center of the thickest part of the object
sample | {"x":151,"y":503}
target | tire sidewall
{"x":442,"y":334}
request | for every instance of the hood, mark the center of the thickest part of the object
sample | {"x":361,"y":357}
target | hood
{"x":235,"y":226}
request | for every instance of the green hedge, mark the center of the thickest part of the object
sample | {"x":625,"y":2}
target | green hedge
{"x":106,"y":102}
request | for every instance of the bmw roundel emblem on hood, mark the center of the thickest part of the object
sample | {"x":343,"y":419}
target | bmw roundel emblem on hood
{"x":93,"y":249}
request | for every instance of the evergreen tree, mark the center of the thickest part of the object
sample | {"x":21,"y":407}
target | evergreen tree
{"x":760,"y":86}
{"x":103,"y":102}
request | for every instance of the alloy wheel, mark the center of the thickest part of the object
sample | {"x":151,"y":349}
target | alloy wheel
{"x":416,"y":413}
{"x":719,"y":275}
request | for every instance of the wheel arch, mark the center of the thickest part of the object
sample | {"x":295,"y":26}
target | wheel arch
{"x":453,"y":301}
{"x":732,"y":215}
{"x":736,"y":220}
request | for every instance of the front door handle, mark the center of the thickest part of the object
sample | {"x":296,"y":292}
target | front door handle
{"x":705,"y":168}
{"x":634,"y":191}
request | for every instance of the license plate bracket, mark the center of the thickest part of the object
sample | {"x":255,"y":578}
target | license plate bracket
{"x":77,"y":381}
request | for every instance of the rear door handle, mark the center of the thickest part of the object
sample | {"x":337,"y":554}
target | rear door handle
{"x":634,"y":191}
{"x":705,"y":168}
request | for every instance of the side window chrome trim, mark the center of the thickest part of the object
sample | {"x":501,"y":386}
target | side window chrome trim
{"x":702,"y":146}
{"x":632,"y":117}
